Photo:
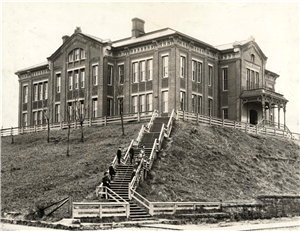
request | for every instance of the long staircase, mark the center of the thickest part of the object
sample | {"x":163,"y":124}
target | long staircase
{"x":123,"y":176}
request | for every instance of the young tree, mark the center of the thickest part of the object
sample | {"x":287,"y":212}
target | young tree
{"x":47,"y":114}
{"x":120,"y":105}
{"x":80,"y":110}
{"x":69,"y":120}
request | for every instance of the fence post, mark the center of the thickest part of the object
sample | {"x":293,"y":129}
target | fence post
{"x":210,"y":120}
{"x":127,"y":210}
{"x":138,"y":117}
{"x":129,"y":193}
{"x":71,"y":206}
{"x":223,"y":122}
{"x":274,"y":131}
{"x":100,"y":211}
{"x":105,"y":120}
{"x":11,"y":131}
{"x":175,"y":208}
{"x":90,"y":122}
{"x":246,"y":125}
{"x":75,"y":124}
{"x":34,"y":126}
{"x":197,"y":117}
{"x":183,"y":115}
{"x":234,"y":124}
{"x":22,"y":130}
{"x":256,"y":129}
{"x":60,"y":125}
{"x":151,"y":212}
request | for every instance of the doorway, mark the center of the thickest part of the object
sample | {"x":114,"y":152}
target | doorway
{"x":253,"y":117}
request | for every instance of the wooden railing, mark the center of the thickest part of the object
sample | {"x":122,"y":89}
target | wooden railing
{"x":99,"y":121}
{"x":126,"y":156}
{"x":246,"y":127}
{"x":102,"y":209}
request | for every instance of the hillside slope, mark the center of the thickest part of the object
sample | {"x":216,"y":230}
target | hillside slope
{"x":201,"y":163}
{"x":34,"y":172}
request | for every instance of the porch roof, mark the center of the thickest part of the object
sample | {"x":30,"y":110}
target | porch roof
{"x":257,"y":94}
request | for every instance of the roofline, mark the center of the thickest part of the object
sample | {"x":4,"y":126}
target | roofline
{"x":32,"y":68}
{"x":273,"y":73}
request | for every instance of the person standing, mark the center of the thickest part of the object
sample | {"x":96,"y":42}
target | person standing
{"x":131,"y":152}
{"x":106,"y":183}
{"x":119,"y":155}
{"x":112,"y":171}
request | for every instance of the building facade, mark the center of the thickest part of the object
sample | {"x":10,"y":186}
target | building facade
{"x":162,"y":70}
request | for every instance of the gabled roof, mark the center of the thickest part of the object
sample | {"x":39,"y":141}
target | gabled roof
{"x":230,"y":46}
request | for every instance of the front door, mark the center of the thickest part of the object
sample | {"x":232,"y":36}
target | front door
{"x":253,"y":117}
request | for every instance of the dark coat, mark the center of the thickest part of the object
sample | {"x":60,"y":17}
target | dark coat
{"x":119,"y":153}
{"x":112,"y":171}
{"x":106,"y":180}
{"x":131,"y":151}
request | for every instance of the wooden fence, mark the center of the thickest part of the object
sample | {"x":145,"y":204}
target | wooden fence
{"x":260,"y":129}
{"x":99,"y":121}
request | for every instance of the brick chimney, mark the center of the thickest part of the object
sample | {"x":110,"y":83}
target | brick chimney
{"x":137,"y":27}
{"x":65,"y":38}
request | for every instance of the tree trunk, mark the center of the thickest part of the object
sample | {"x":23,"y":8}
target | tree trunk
{"x":68,"y":147}
{"x":48,"y":122}
{"x":122,"y":123}
{"x":81,"y":124}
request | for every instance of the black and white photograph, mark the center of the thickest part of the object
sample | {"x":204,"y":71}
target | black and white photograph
{"x":150,"y":116}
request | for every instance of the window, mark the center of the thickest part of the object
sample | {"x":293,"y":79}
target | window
{"x":194,"y":70}
{"x":210,"y":107}
{"x":210,"y":75}
{"x":199,"y":109}
{"x":94,"y":108}
{"x":194,"y":103}
{"x":25,"y":94}
{"x":110,"y":74}
{"x":95,"y":75}
{"x":71,"y":56}
{"x":199,"y":75}
{"x":120,"y":106}
{"x":149,"y":102}
{"x":121,"y":74}
{"x":248,"y":79}
{"x":35,"y":92}
{"x":225,"y":79}
{"x":182,"y":66}
{"x":142,"y":71}
{"x":150,"y":69}
{"x":70,"y":81}
{"x":182,"y":101}
{"x":57,"y":113}
{"x":46,"y":90}
{"x":82,"y":54}
{"x":256,"y":80}
{"x":82,"y":78}
{"x":142,"y":103}
{"x":165,"y":66}
{"x":134,"y":104}
{"x":225,"y":113}
{"x":58,"y":79}
{"x":40,"y":117}
{"x":41,"y":91}
{"x":109,"y":106}
{"x":165,"y":97}
{"x":24,"y":119}
{"x":252,"y":80}
{"x":76,"y":79}
{"x":35,"y":117}
{"x":135,"y":72}
{"x":77,"y":52}
{"x":253,"y":58}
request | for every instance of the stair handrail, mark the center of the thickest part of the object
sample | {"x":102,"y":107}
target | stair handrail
{"x":125,"y":158}
{"x":117,"y":195}
{"x":139,"y":138}
{"x":154,"y":114}
{"x":135,"y":180}
{"x":170,"y":122}
{"x":142,"y":200}
{"x":153,"y":154}
{"x":161,"y":136}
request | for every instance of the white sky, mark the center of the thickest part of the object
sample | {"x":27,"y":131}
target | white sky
{"x":32,"y":31}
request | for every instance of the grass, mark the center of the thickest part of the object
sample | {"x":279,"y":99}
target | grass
{"x":201,"y":163}
{"x":35,"y":173}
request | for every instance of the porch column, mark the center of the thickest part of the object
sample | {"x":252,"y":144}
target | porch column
{"x":279,"y":116}
{"x":284,"y":113}
{"x":263,"y":108}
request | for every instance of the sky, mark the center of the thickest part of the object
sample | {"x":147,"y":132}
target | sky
{"x":32,"y":31}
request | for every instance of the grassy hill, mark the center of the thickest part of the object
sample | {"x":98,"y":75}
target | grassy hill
{"x":198,"y":163}
{"x":201,"y":163}
{"x":34,"y":172}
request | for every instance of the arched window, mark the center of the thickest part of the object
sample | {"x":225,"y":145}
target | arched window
{"x":252,"y":58}
{"x":76,"y":54}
